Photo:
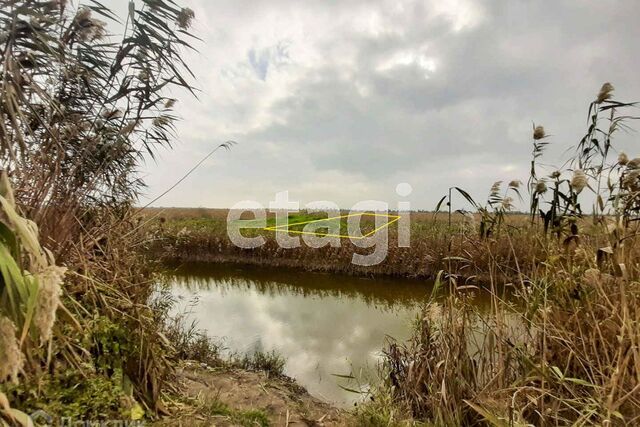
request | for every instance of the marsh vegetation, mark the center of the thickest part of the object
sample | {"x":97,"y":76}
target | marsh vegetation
{"x":80,"y":108}
{"x":86,"y":333}
{"x":562,"y":346}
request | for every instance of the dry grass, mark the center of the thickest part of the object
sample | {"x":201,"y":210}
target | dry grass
{"x":182,"y":234}
{"x":563,"y":351}
{"x":80,"y":110}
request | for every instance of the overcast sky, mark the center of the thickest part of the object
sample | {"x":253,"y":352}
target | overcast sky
{"x":343,"y":100}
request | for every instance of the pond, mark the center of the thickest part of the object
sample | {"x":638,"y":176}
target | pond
{"x":325,"y":325}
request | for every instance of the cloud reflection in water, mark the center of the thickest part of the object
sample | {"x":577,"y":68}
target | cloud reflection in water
{"x":322,"y":324}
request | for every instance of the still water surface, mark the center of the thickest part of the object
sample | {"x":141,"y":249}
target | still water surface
{"x":322,"y":324}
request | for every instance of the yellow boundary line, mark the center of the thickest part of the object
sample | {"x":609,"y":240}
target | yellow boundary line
{"x":279,"y":228}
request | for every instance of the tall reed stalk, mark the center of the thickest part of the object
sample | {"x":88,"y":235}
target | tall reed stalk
{"x":564,"y":349}
{"x":80,"y":108}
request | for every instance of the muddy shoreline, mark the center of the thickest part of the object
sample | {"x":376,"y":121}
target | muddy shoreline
{"x":231,"y":396}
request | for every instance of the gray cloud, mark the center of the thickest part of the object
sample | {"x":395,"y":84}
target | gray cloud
{"x":341,"y":101}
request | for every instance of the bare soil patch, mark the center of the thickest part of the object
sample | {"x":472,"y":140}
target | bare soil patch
{"x":232,"y":397}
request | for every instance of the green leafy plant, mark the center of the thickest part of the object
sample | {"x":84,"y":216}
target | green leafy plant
{"x":81,"y":107}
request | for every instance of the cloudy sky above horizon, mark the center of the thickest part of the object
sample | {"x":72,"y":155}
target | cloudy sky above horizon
{"x":343,"y":100}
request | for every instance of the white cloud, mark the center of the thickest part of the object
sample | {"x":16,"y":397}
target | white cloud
{"x":407,"y":58}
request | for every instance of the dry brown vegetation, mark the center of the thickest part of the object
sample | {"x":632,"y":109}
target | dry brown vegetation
{"x":79,"y":109}
{"x":80,"y":334}
{"x":199,"y":234}
{"x":563,"y":348}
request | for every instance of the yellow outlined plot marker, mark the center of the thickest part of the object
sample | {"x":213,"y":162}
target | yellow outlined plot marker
{"x":285,"y":228}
